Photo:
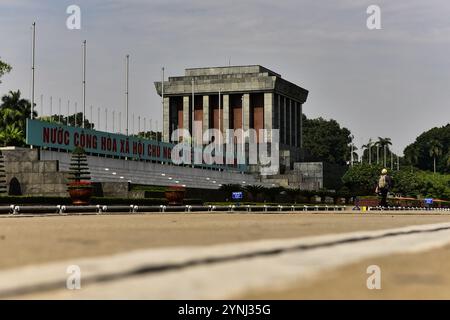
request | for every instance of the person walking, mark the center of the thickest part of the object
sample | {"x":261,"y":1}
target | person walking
{"x":383,"y":187}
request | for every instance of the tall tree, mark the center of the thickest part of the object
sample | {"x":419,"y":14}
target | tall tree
{"x":384,"y":144}
{"x":14,"y":112}
{"x":325,"y":140}
{"x":435,"y":150}
{"x":418,"y":153}
{"x":367,"y":151}
{"x":4,"y":68}
{"x":16,"y":109}
{"x":11,"y":135}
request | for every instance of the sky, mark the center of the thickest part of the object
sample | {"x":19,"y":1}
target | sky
{"x":391,"y":82}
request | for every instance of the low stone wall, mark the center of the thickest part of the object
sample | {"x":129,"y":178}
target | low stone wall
{"x":35,"y":177}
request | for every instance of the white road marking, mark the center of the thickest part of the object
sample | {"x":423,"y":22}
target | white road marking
{"x":113,"y":277}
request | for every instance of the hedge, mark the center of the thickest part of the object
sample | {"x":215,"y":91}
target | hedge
{"x":41,"y":200}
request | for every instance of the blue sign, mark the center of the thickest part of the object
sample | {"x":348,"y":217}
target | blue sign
{"x":54,"y":135}
{"x":237,"y":195}
{"x":58,"y":136}
{"x":428,"y":201}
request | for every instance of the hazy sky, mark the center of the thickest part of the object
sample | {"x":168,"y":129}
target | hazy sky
{"x":392,"y":82}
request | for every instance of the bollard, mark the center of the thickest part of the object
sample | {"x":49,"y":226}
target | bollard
{"x":61,"y":209}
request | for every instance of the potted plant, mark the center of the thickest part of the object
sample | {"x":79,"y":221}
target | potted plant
{"x":80,"y":187}
{"x":175,"y":195}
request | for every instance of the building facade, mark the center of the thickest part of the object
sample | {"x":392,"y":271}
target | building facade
{"x":251,"y":97}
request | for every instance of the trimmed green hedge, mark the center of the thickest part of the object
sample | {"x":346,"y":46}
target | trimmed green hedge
{"x":21,"y":200}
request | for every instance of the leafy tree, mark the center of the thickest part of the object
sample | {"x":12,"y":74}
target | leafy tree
{"x":417,"y":154}
{"x":151,"y":135}
{"x":361,"y":179}
{"x":15,"y":109}
{"x":406,"y":183}
{"x":4,"y":68}
{"x":14,"y":112}
{"x":11,"y":135}
{"x":325,"y":140}
{"x":71,"y":120}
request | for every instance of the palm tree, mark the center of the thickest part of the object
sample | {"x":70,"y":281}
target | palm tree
{"x":19,"y":108}
{"x":384,"y":143}
{"x":253,"y":191}
{"x":228,"y":189}
{"x":435,"y":150}
{"x":368,"y":147}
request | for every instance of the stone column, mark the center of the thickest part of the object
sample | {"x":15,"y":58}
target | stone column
{"x":285,"y":121}
{"x":166,"y":119}
{"x":301,"y":125}
{"x":279,"y":113}
{"x":186,"y":113}
{"x":226,"y":112}
{"x":246,"y":111}
{"x":205,"y":113}
{"x":268,"y":113}
{"x":295,"y":123}
{"x":291,"y":122}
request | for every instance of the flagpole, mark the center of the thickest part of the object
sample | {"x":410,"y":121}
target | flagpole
{"x":84,"y":81}
{"x":33,"y":49}
{"x":126,"y":91}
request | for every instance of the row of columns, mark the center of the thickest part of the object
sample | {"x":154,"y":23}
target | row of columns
{"x":286,"y":112}
{"x":289,"y":120}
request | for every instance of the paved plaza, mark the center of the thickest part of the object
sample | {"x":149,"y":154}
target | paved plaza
{"x":223,"y":255}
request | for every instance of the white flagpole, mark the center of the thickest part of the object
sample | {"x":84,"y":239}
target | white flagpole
{"x":33,"y":49}
{"x":120,"y":122}
{"x":76,"y":107}
{"x":68,"y":113}
{"x":126,"y":90}
{"x":59,"y":110}
{"x":84,"y":81}
{"x":98,"y":118}
{"x":42,"y":105}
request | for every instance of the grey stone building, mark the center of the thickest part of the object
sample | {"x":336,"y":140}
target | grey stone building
{"x":250,"y":97}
